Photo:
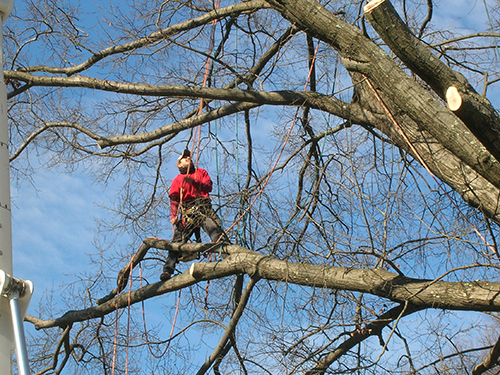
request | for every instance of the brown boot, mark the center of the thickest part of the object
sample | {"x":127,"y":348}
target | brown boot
{"x":165,"y":276}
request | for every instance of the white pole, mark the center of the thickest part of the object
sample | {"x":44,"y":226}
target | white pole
{"x":7,"y":344}
{"x":23,"y":367}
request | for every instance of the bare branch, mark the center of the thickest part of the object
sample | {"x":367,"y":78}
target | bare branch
{"x":490,"y":361}
{"x":230,"y":327}
{"x":373,"y":328}
{"x":154,"y":37}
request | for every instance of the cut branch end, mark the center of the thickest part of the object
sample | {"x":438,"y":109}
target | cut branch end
{"x":191,"y":270}
{"x":453,"y":98}
{"x":372,"y":5}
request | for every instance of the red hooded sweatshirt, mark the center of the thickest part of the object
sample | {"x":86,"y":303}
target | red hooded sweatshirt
{"x":181,"y":190}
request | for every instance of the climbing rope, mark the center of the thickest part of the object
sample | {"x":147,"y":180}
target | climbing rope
{"x":261,"y":190}
{"x":115,"y":339}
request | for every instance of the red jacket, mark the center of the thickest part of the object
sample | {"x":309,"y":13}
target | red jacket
{"x":182,"y":191}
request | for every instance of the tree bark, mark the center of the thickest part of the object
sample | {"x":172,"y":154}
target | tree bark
{"x":470,"y":296}
{"x":361,"y":55}
{"x":472,"y":187}
{"x":475,"y":111}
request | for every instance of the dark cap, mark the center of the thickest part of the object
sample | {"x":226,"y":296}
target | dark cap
{"x":185,"y":153}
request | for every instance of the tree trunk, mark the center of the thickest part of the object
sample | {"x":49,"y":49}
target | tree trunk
{"x":474,"y":110}
{"x":411,"y":105}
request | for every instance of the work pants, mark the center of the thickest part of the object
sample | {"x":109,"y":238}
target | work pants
{"x":195,"y":214}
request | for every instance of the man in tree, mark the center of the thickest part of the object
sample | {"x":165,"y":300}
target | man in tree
{"x":191,"y":209}
{"x":362,"y":240}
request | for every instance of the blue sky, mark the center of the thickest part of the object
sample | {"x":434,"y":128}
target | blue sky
{"x":53,"y":223}
{"x":52,"y":227}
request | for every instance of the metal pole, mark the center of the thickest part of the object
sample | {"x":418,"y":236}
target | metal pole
{"x":23,"y":366}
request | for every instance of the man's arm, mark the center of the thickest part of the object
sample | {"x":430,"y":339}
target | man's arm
{"x":201,"y":181}
{"x":174,"y":195}
{"x":174,"y":211}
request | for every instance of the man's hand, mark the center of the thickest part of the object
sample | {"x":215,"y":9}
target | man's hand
{"x":193,"y":182}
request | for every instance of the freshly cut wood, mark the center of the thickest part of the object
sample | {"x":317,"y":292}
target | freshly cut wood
{"x":371,"y":5}
{"x":453,"y":98}
{"x":191,"y":270}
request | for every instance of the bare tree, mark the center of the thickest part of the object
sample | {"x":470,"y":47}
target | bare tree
{"x":357,"y":166}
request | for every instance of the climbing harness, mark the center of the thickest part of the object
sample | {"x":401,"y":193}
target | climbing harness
{"x":195,"y":212}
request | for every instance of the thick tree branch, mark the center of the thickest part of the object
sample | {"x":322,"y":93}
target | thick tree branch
{"x":477,"y":191}
{"x":184,"y":249}
{"x":490,"y":361}
{"x":176,"y":127}
{"x":361,"y":55}
{"x":474,"y":110}
{"x":285,"y":97}
{"x":248,"y":99}
{"x":473,"y":296}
